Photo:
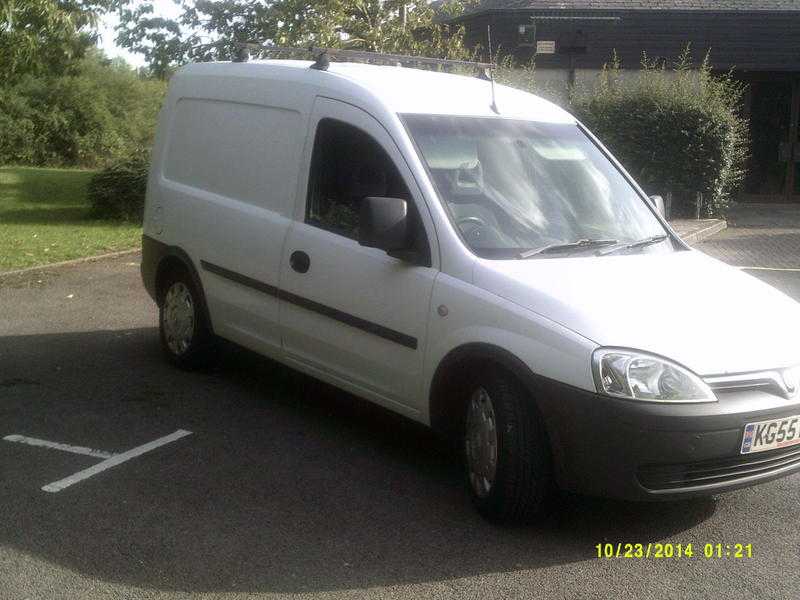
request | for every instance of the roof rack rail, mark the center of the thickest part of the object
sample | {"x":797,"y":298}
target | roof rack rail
{"x":322,"y":56}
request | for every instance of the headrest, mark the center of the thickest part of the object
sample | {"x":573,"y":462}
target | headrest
{"x":451,"y":152}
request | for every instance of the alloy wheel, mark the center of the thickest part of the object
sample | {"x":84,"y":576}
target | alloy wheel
{"x":179,"y":318}
{"x":481,"y":442}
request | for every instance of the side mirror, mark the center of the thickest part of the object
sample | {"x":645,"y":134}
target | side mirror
{"x":658,"y":202}
{"x":383,"y":223}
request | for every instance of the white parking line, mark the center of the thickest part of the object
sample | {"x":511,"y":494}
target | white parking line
{"x":113,"y":461}
{"x":22,"y":439}
{"x":769,"y":269}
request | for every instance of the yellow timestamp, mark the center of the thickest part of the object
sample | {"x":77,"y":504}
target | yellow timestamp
{"x":659,"y":550}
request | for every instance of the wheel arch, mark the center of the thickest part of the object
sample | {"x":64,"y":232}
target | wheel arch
{"x":158,"y":260}
{"x":447,"y":382}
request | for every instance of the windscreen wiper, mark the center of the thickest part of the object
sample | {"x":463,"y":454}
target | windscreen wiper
{"x":579,"y":245}
{"x":648,"y":241}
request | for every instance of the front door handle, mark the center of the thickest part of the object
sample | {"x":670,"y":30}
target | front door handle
{"x":300,"y":261}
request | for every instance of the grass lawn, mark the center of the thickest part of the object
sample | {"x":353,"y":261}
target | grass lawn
{"x":44,"y":218}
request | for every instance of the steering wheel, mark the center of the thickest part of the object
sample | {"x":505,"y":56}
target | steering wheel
{"x":471,"y":220}
{"x":473,"y":228}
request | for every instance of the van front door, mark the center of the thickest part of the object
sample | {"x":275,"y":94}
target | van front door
{"x":349,"y":312}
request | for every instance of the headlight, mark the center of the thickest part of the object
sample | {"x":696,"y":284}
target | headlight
{"x":639,"y":376}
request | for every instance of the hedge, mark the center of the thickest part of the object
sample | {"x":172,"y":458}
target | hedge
{"x":677,"y":131}
{"x":118,"y":191}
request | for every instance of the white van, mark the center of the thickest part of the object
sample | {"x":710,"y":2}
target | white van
{"x":487,"y":269}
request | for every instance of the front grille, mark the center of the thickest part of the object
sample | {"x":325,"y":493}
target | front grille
{"x":708,"y":472}
{"x":772,"y":382}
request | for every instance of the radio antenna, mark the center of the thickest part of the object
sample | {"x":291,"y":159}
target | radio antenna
{"x":493,"y":105}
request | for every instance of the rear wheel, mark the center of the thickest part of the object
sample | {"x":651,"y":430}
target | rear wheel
{"x":186,"y":337}
{"x":506,"y":453}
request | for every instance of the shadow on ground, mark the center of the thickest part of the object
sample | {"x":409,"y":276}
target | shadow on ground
{"x":757,"y":215}
{"x":48,"y":215}
{"x":285,"y":485}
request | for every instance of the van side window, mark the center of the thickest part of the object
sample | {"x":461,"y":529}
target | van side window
{"x":347,"y":166}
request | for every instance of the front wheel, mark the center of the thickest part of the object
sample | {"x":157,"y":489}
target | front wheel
{"x":186,"y":338}
{"x":506,"y":453}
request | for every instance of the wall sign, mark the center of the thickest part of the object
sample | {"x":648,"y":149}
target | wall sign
{"x":545,"y":47}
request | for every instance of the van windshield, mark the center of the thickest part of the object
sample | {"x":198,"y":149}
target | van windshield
{"x":520,"y":189}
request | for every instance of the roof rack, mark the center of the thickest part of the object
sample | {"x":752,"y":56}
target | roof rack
{"x":322,"y":56}
{"x":322,"y":59}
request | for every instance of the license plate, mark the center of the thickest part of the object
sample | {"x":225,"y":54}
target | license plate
{"x":771,"y":435}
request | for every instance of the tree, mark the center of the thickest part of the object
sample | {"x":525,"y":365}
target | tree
{"x":45,"y":36}
{"x":100,"y":112}
{"x":163,"y":42}
{"x":208,"y":30}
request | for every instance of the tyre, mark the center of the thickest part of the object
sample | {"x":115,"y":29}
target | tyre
{"x":186,"y":337}
{"x":506,"y":451}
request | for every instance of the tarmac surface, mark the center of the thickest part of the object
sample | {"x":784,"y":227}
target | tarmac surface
{"x":286,"y":487}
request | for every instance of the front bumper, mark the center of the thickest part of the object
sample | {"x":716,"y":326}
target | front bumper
{"x":646,"y":451}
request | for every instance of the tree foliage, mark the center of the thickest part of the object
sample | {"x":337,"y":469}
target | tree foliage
{"x":98,"y":113}
{"x":45,"y":36}
{"x":207,"y":30}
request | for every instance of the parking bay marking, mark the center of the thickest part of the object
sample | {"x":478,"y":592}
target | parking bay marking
{"x":23,"y":439}
{"x":785,"y":269}
{"x":111,"y":459}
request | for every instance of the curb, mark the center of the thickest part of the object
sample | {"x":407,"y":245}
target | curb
{"x":68,"y":263}
{"x":706,"y":232}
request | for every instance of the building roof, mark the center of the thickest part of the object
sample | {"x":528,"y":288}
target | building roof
{"x":615,"y":5}
{"x":748,"y":35}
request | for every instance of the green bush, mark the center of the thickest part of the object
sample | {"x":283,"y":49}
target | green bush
{"x":524,"y":76}
{"x":117,"y":192}
{"x":675,"y":131}
{"x":98,"y":115}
